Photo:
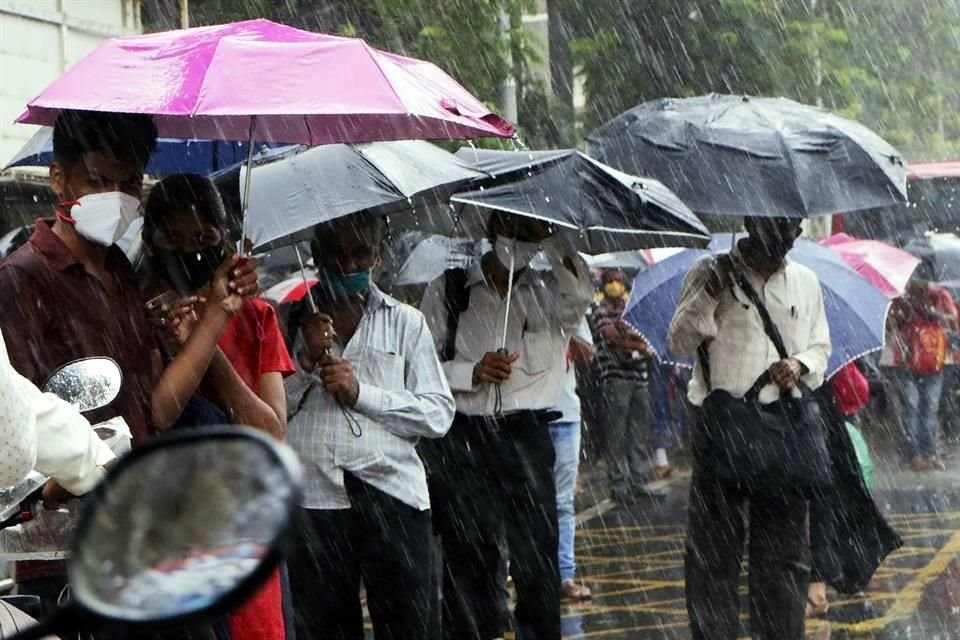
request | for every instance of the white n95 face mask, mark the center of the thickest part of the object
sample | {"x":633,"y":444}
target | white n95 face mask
{"x":104,"y":217}
{"x":522,"y":252}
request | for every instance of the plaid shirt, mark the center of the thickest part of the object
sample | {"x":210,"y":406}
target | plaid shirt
{"x":403,"y":396}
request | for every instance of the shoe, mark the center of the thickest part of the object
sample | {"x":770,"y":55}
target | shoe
{"x":920,"y":464}
{"x":570,"y":590}
{"x":934,"y":462}
{"x":649,"y":491}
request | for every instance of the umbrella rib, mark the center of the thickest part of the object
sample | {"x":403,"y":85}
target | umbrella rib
{"x":376,"y":62}
{"x":793,"y":172}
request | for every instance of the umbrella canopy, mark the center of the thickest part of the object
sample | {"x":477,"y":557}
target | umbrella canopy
{"x":294,"y":191}
{"x":885,"y":266}
{"x":736,"y":155}
{"x":223,"y":82}
{"x":606,"y":209}
{"x":172,"y":156}
{"x":856,"y":310}
{"x":289,"y":290}
{"x":942,"y":251}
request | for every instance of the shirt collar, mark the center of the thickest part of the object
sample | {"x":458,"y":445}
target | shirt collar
{"x":59,"y":255}
{"x":377,"y":298}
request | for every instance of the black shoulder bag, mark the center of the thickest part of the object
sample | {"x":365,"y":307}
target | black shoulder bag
{"x":764,"y":449}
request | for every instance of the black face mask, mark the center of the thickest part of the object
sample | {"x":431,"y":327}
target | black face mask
{"x":190,"y":271}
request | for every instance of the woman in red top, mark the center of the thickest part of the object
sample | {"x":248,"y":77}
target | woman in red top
{"x":187,"y":242}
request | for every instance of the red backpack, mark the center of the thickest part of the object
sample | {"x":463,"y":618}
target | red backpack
{"x":926,"y":347}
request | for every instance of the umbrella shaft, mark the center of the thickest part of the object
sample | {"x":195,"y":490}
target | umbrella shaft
{"x":246,"y":190}
{"x":506,"y":314}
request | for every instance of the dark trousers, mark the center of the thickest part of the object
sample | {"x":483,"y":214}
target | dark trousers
{"x":491,"y":482}
{"x":779,"y":562}
{"x":380,"y":540}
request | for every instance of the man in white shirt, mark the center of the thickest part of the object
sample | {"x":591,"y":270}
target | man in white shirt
{"x":714,"y":310}
{"x":40,"y":431}
{"x":368,"y":386}
{"x":492,"y":476}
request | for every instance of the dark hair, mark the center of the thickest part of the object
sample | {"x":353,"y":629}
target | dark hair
{"x":183,"y":192}
{"x":360,"y":223}
{"x":128,"y":136}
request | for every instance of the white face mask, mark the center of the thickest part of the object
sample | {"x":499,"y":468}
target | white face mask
{"x":104,"y":217}
{"x":522,"y":252}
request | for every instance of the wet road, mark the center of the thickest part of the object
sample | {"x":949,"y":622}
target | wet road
{"x":633,"y":560}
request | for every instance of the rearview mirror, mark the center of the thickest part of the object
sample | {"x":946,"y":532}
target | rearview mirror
{"x":87,"y":384}
{"x":182,"y":529}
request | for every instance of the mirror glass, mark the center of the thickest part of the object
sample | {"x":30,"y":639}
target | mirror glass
{"x":181,"y":527}
{"x":87,"y":384}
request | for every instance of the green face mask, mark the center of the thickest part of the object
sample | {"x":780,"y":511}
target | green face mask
{"x":343,"y":285}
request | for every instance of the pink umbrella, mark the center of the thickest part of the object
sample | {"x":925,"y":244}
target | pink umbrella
{"x":885,"y":266}
{"x":258,"y":80}
{"x":287,"y":85}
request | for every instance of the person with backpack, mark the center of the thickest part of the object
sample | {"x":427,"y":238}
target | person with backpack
{"x":920,"y":321}
{"x":491,"y":477}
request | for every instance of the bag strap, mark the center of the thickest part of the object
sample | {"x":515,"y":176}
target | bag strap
{"x":768,"y":326}
{"x":456,"y":299}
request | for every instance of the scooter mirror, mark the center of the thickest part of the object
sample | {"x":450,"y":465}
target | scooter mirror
{"x":87,"y":384}
{"x":182,"y":529}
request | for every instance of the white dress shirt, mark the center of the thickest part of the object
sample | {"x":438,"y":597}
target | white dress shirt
{"x":739,"y":349}
{"x":568,"y":402}
{"x":39,"y":431}
{"x":546,"y":308}
{"x":403,"y":396}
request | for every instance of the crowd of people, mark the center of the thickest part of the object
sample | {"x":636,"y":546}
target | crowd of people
{"x":441,"y":444}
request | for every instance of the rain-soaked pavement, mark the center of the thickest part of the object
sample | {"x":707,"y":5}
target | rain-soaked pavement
{"x":633,"y":560}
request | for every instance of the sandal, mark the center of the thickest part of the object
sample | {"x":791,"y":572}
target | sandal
{"x":570,"y":590}
{"x":817,"y":602}
{"x":662,"y":472}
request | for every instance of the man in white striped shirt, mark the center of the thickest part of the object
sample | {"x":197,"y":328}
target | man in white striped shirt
{"x":368,"y":386}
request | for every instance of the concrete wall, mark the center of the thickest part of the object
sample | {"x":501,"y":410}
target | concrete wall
{"x":39,"y":39}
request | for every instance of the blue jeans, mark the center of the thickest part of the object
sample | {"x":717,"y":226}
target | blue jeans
{"x":566,"y":446}
{"x":921,"y":402}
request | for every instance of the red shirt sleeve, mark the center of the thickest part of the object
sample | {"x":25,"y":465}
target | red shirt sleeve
{"x":273,"y":350}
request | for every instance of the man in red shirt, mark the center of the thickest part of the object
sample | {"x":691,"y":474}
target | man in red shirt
{"x":920,"y":321}
{"x":70,"y":292}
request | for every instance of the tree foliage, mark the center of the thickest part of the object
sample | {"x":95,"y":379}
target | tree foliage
{"x":883,"y":62}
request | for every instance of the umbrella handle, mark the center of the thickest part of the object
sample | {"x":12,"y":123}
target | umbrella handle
{"x":245,"y":204}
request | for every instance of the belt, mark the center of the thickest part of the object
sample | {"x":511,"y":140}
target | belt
{"x":509,"y":421}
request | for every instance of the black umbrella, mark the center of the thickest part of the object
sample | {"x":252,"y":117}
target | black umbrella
{"x":607,"y":210}
{"x":737,"y":155}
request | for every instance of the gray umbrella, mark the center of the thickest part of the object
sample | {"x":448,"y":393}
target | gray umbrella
{"x":736,"y":155}
{"x":296,"y":190}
